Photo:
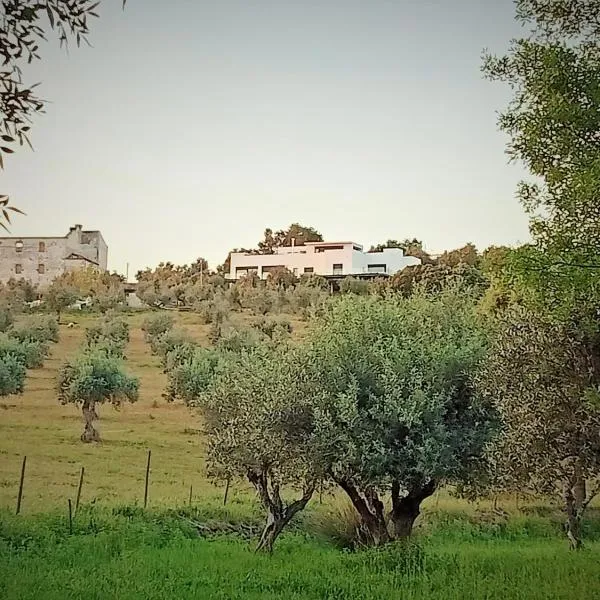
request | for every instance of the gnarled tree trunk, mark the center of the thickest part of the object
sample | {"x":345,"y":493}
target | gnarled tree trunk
{"x":278,"y":513}
{"x":575,"y":499}
{"x":89,"y":433}
{"x":406,"y":509}
{"x":370,"y":511}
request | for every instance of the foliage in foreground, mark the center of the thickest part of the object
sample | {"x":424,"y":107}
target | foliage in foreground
{"x":543,"y":378}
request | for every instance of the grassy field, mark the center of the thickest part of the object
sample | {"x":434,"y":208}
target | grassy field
{"x":157,"y":556}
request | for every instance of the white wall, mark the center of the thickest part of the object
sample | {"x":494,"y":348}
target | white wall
{"x":353,"y":262}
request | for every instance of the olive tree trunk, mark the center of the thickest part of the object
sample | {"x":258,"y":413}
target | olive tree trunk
{"x":406,"y":509}
{"x":371,"y":513}
{"x":90,"y":434}
{"x":279,"y":514}
{"x":574,"y":496}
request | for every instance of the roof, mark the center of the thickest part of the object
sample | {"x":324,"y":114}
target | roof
{"x":331,"y":244}
{"x":75,"y":256}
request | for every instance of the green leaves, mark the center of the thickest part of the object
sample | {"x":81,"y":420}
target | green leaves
{"x":95,"y":377}
{"x":394,"y":386}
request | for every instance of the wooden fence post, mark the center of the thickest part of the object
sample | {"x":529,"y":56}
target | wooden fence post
{"x":70,"y":517}
{"x":226,"y":491}
{"x":79,"y":489}
{"x":147,"y":478}
{"x":20,"y":496}
{"x":190,"y":499}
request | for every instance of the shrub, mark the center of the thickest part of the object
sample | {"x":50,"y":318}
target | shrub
{"x":40,"y":328}
{"x":190,"y":372}
{"x":239,"y":339}
{"x":155,"y":325}
{"x":259,"y":300}
{"x":30,"y":354}
{"x":6,"y":319}
{"x":12,"y":375}
{"x":351,"y":285}
{"x":274,"y":328}
{"x":162,"y":344}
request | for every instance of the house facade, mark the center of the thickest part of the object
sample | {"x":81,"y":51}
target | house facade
{"x":42,"y":259}
{"x":328,"y":259}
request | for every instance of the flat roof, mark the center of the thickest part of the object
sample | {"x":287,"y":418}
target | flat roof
{"x":329,"y":244}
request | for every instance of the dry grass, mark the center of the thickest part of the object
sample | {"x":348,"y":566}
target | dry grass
{"x":37,"y":426}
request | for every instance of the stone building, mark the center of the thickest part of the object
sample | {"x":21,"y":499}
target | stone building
{"x":41,"y":259}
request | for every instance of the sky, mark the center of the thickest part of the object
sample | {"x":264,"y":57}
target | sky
{"x":189,"y":126}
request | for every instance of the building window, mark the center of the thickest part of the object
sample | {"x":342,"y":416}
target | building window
{"x":377,"y":269}
{"x":41,"y":269}
{"x":19,"y":246}
{"x":241,"y":271}
{"x":18,"y":269}
{"x":309,"y":269}
{"x":338,"y":269}
{"x":320,"y":249}
{"x":42,"y":247}
{"x":295,"y":271}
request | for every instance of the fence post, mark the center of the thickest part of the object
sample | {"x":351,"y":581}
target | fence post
{"x":70,"y":517}
{"x":79,"y":489}
{"x":190,"y":499}
{"x":20,"y":496}
{"x":147,"y":478}
{"x":226,"y":491}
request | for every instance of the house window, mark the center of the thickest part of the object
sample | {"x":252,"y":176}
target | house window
{"x":338,"y":269}
{"x":19,"y":246}
{"x":18,"y":269}
{"x":377,"y":269}
{"x":241,"y":271}
{"x":309,"y":269}
{"x":42,"y":247}
{"x":320,"y":249}
{"x":41,"y":269}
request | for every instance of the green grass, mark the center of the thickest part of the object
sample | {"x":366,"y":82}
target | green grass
{"x":130,"y":554}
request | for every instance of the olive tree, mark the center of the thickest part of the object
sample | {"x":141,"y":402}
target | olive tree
{"x":157,"y":324}
{"x":259,"y":422}
{"x":12,"y":375}
{"x":91,"y":379}
{"x":30,"y":353}
{"x":544,"y":378}
{"x":59,"y":296}
{"x":397,"y":413}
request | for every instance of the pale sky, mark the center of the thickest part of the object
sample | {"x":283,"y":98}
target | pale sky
{"x":191,"y":125}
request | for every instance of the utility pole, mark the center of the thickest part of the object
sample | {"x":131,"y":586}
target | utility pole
{"x":127,"y":274}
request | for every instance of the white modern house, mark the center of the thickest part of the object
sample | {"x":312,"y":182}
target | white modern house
{"x":329,"y":259}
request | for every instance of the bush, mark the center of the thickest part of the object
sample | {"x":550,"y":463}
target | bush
{"x":191,"y":376}
{"x":40,"y":328}
{"x":30,"y":354}
{"x":351,"y":285}
{"x":155,"y":325}
{"x":213,"y":311}
{"x":274,"y":328}
{"x":259,"y":300}
{"x":162,"y":344}
{"x":6,"y":319}
{"x":238,"y":340}
{"x":12,"y":375}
